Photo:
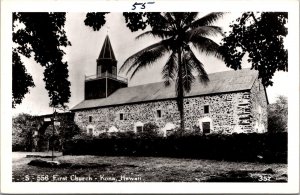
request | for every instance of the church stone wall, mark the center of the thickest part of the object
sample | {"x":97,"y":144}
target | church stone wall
{"x":228,"y":113}
{"x":259,"y":107}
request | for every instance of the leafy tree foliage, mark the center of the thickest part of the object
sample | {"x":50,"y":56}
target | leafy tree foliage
{"x":95,"y":20}
{"x":41,"y":35}
{"x":23,"y":127}
{"x":278,"y":115}
{"x":68,"y":128}
{"x":21,"y":80}
{"x":140,"y":20}
{"x":262,"y":38}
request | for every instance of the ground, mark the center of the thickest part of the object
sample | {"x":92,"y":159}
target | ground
{"x":142,"y":169}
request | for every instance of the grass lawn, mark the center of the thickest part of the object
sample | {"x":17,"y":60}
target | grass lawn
{"x":144,"y":169}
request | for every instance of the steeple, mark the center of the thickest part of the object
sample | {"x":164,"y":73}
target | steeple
{"x":106,"y":81}
{"x":107,"y":51}
{"x":106,"y":62}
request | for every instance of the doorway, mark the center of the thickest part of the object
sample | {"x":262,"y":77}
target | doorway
{"x":206,"y":127}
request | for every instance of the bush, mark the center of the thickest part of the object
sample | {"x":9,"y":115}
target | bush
{"x":278,"y":115}
{"x":68,"y":129}
{"x":235,"y":147}
{"x":23,"y":127}
{"x":79,"y":137}
{"x":150,"y":130}
{"x":125,"y":134}
{"x":178,"y":132}
{"x":104,"y":135}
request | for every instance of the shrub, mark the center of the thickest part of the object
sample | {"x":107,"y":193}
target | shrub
{"x":125,"y":134}
{"x":104,"y":135}
{"x":278,"y":115}
{"x":82,"y":137}
{"x":68,"y":129}
{"x":178,"y":132}
{"x":150,"y":130}
{"x":23,"y":127}
{"x":234,"y":147}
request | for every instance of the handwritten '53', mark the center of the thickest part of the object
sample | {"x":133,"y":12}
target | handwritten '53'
{"x":142,"y":5}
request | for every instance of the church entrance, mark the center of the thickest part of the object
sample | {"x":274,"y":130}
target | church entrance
{"x":139,"y":129}
{"x":206,"y":127}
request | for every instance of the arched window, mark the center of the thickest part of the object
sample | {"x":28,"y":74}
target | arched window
{"x":138,"y":127}
{"x":168,"y":129}
{"x":112,"y":129}
{"x":90,"y":130}
{"x":205,"y":125}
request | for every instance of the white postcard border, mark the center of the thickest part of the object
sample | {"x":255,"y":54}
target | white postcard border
{"x":9,"y":6}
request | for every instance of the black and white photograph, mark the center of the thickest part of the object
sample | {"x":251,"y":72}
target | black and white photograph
{"x":151,"y":96}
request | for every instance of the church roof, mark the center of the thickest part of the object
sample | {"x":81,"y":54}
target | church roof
{"x":220,"y":82}
{"x":107,"y":51}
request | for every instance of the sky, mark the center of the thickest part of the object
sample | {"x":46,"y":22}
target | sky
{"x":86,"y":46}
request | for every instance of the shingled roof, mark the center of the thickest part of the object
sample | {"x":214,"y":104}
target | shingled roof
{"x":220,"y":82}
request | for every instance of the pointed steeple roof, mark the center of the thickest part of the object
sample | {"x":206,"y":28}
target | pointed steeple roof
{"x":107,"y":51}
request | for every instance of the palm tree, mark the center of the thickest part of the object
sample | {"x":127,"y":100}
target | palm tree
{"x":179,"y":32}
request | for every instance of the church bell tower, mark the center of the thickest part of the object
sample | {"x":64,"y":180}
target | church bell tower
{"x":106,"y":62}
{"x":106,"y":81}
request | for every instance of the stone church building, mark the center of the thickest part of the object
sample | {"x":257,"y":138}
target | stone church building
{"x":232,"y":101}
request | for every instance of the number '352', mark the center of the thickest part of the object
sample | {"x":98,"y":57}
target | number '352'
{"x":264,"y":178}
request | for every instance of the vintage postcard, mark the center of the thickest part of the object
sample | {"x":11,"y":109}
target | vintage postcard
{"x":150,"y":97}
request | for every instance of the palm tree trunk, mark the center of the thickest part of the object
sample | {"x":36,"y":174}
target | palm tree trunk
{"x":180,"y":91}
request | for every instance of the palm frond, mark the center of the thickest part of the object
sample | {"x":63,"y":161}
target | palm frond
{"x":207,"y":19}
{"x":169,"y":16}
{"x":198,"y":65}
{"x":156,"y":33}
{"x":147,"y":59}
{"x":204,"y":31}
{"x":190,"y":17}
{"x":206,"y":45}
{"x":169,"y":69}
{"x":133,"y":58}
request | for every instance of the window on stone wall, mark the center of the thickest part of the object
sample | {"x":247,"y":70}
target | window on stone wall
{"x":158,"y":113}
{"x":206,"y":109}
{"x":121,"y":116}
{"x":90,"y":119}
